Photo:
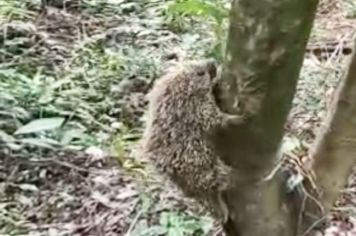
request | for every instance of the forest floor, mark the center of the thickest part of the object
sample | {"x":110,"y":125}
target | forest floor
{"x":87,"y":68}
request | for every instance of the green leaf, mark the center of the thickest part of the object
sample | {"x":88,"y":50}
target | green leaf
{"x":21,"y":112}
{"x":6,"y":137}
{"x":9,"y":141}
{"x":199,"y":8}
{"x":40,"y":142}
{"x":206,"y":224}
{"x":164,"y":219}
{"x":175,"y":231}
{"x":41,"y":125}
{"x":28,"y":187}
{"x":154,"y":230}
{"x":69,"y":135}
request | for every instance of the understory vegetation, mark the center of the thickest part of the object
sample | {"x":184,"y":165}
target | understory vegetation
{"x":73,"y":80}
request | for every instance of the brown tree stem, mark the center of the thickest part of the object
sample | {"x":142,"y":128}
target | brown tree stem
{"x":334,"y":151}
{"x":265,"y":49}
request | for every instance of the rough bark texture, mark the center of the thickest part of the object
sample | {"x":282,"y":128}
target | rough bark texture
{"x":265,"y":49}
{"x":335,"y":146}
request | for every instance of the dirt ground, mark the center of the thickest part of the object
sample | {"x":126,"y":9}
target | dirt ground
{"x":99,"y":192}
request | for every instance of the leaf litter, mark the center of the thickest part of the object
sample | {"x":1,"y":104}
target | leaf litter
{"x":92,"y":192}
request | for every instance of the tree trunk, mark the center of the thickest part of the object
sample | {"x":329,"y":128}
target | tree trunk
{"x":335,"y":147}
{"x":265,"y":50}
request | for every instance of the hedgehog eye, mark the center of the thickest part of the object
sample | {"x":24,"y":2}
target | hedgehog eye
{"x":201,"y":73}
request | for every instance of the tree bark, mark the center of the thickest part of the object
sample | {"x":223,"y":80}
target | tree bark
{"x":335,"y":147}
{"x":265,"y":50}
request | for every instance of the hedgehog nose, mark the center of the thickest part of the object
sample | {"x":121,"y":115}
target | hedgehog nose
{"x":212,"y":67}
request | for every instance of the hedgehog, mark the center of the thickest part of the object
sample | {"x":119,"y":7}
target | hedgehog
{"x":181,"y":119}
